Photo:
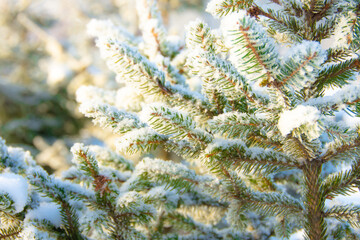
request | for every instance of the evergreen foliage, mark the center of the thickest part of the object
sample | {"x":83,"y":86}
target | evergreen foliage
{"x":261,"y":147}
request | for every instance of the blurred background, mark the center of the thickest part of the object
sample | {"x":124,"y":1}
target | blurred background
{"x":46,"y":55}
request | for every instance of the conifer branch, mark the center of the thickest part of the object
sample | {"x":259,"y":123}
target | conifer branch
{"x":224,"y":7}
{"x":283,"y":22}
{"x":183,"y":148}
{"x":89,"y":165}
{"x":337,"y":55}
{"x":295,"y":71}
{"x":106,"y":28}
{"x":140,"y":140}
{"x":298,"y":148}
{"x":61,"y":193}
{"x":264,"y":203}
{"x":108,"y":158}
{"x":302,"y":72}
{"x":251,"y":47}
{"x":154,"y":35}
{"x":342,"y":183}
{"x":107,"y":116}
{"x":137,"y":70}
{"x":173,"y":175}
{"x":261,"y":128}
{"x":348,"y":213}
{"x":237,"y":154}
{"x":177,"y":125}
{"x":10,"y":233}
{"x":336,"y":150}
{"x":235,"y":125}
{"x":71,"y":222}
{"x":105,"y":195}
{"x":256,"y":11}
{"x":223,"y":75}
{"x":262,"y":141}
{"x":338,"y":101}
{"x":145,"y":75}
{"x":315,"y":226}
{"x":249,"y":44}
{"x":199,"y":36}
{"x":336,"y":75}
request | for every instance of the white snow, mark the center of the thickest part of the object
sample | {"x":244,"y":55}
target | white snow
{"x":133,"y":201}
{"x":351,"y":199}
{"x":229,"y":116}
{"x":129,"y":99}
{"x":297,"y":117}
{"x":126,"y":199}
{"x":231,"y":23}
{"x":212,"y":7}
{"x":342,"y":33}
{"x":76,"y":149}
{"x":170,"y":195}
{"x":19,"y":159}
{"x":16,"y":187}
{"x":107,"y":29}
{"x":91,"y":93}
{"x":237,"y":26}
{"x":299,"y":235}
{"x":306,"y":48}
{"x":138,"y":135}
{"x":108,"y":116}
{"x":46,"y":211}
{"x":348,"y":93}
{"x":250,"y":152}
{"x":347,"y":119}
{"x":97,"y":28}
{"x":157,"y":166}
{"x":217,"y":8}
{"x":30,"y":232}
{"x":152,"y":28}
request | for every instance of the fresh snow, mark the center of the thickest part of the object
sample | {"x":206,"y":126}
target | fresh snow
{"x":94,"y":94}
{"x":348,"y":93}
{"x":137,"y":135}
{"x":251,"y":152}
{"x":239,"y":54}
{"x":212,"y":7}
{"x":46,"y":211}
{"x":350,"y":199}
{"x":30,"y":232}
{"x":299,"y":235}
{"x":297,"y":117}
{"x":171,"y":195}
{"x":133,"y":201}
{"x":19,"y":158}
{"x":343,"y":30}
{"x":107,"y":29}
{"x":16,"y":187}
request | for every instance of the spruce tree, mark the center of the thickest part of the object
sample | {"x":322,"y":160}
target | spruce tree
{"x":260,"y":144}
